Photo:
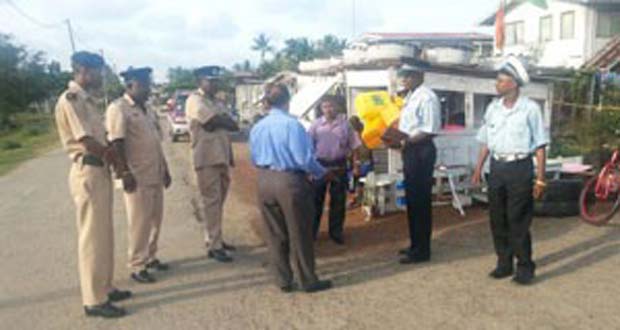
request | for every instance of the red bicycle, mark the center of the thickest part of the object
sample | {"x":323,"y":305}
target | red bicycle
{"x":600,"y":197}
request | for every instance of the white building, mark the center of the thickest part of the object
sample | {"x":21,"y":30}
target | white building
{"x":565,"y":34}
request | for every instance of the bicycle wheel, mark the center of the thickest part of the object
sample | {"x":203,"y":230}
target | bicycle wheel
{"x":597,"y":210}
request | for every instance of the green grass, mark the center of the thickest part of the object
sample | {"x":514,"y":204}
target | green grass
{"x":34,"y":135}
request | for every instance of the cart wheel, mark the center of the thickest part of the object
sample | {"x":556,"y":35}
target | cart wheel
{"x":594,"y":210}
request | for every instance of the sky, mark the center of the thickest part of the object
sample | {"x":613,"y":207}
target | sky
{"x":164,"y":33}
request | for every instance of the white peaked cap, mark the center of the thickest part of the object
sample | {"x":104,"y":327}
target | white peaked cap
{"x":513,"y":67}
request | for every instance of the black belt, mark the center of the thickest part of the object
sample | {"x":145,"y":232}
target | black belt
{"x":267,"y":168}
{"x":334,"y":164}
{"x":89,"y":159}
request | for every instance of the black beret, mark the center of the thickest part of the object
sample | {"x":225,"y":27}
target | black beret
{"x":141,"y":74}
{"x":210,"y":72}
{"x":87,"y":59}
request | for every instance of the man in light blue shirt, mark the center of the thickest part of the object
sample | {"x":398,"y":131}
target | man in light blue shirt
{"x":283,"y":153}
{"x":512,"y":133}
{"x":419,"y":123}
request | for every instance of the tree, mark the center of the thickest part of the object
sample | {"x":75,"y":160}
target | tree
{"x":330,"y":46}
{"x":299,"y":49}
{"x":25,"y":79}
{"x":262,"y":45}
{"x":180,"y":78}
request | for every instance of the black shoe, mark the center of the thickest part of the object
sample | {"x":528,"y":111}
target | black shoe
{"x":119,"y":295}
{"x":228,"y":247}
{"x":405,"y":252}
{"x":337,"y":239}
{"x":318,"y":286}
{"x":219,"y":255}
{"x":143,"y":276}
{"x":413,"y":259}
{"x":105,"y":310}
{"x":287,"y":288}
{"x":523,"y":276}
{"x":501,"y":272}
{"x":157,"y":265}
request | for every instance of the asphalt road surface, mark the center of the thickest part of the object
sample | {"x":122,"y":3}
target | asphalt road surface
{"x":578,"y":284}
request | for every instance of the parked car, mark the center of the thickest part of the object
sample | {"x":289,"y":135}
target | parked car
{"x":177,"y":121}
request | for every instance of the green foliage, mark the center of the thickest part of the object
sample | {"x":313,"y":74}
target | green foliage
{"x":180,"y":78}
{"x":11,"y":145}
{"x":25,"y":78}
{"x":589,"y":130}
{"x":34,"y":134}
{"x":295,"y":50}
{"x":262,"y":44}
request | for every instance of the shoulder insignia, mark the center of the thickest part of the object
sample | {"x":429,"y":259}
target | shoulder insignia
{"x":71,"y":96}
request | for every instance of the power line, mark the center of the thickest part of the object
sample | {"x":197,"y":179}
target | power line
{"x":32,"y":19}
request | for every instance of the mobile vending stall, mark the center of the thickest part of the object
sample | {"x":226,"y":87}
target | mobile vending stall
{"x":464,"y":93}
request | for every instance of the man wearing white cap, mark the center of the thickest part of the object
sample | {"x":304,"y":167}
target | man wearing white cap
{"x":419,"y":123}
{"x":513,"y":132}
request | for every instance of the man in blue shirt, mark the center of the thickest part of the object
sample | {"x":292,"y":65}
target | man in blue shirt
{"x":512,"y":133}
{"x":419,"y":123}
{"x":283,"y":153}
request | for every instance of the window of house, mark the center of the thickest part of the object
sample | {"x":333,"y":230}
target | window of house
{"x":515,"y":33}
{"x":481,"y":102}
{"x":567,"y":26}
{"x":452,"y":109}
{"x":608,"y":25}
{"x":546,"y":28}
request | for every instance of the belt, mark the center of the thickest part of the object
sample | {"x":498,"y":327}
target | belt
{"x":334,"y":164}
{"x":267,"y":168}
{"x":506,"y":158}
{"x":89,"y":159}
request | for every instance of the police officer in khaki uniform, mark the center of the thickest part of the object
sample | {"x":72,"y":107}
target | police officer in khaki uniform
{"x":82,"y":134}
{"x":212,"y":155}
{"x":134,"y":132}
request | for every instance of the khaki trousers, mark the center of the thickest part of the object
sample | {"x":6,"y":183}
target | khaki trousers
{"x":91,"y":189}
{"x":213,"y":183}
{"x":145,"y":208}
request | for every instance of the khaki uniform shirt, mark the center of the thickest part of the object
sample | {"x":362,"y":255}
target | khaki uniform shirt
{"x":140,"y":130}
{"x":208,"y":148}
{"x":77,"y":117}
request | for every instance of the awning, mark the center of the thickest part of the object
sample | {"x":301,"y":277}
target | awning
{"x":304,"y":101}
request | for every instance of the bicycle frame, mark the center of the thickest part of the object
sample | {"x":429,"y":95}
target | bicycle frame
{"x":608,"y":179}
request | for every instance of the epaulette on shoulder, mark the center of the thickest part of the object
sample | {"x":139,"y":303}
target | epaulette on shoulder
{"x":71,"y":96}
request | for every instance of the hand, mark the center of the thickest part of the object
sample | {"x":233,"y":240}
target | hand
{"x":167,"y":180}
{"x":539,"y":189}
{"x":475,"y":178}
{"x":329,"y":176}
{"x":129,"y":182}
{"x":356,"y":170}
{"x":110,"y":156}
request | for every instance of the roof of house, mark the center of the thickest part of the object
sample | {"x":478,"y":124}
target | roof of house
{"x":608,"y":56}
{"x":414,"y":36}
{"x":603,"y":4}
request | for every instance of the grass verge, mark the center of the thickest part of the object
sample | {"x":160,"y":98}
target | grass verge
{"x":35,"y":134}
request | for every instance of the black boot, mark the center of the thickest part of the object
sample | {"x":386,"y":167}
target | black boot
{"x":105,"y":310}
{"x":143,"y":277}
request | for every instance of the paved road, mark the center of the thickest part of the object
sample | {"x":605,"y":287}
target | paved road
{"x":578,"y":285}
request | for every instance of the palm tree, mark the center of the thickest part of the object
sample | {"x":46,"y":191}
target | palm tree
{"x":261,"y":44}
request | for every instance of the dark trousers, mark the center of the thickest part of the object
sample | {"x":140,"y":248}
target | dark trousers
{"x":337,"y":200}
{"x":287,"y":214}
{"x":418,"y":167}
{"x":511,"y":207}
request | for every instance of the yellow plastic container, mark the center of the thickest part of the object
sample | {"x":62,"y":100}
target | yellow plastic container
{"x":377,"y":110}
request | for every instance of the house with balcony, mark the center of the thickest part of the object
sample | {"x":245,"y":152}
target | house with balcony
{"x":558,"y":33}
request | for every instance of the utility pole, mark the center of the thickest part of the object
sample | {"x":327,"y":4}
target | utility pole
{"x":353,"y":20}
{"x":68,"y":22}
